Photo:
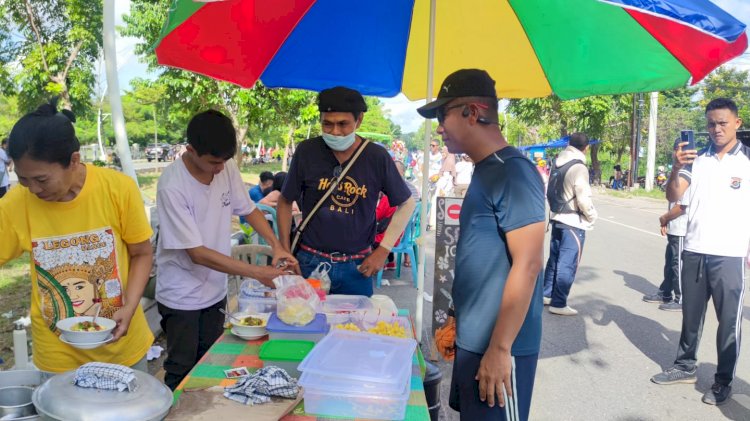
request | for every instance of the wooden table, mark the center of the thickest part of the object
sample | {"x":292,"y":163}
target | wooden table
{"x":230,"y":351}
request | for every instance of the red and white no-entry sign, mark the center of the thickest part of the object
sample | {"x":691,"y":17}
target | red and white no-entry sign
{"x":452,"y":210}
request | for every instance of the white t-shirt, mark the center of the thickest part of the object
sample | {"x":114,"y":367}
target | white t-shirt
{"x":677,"y":226}
{"x":4,"y":162}
{"x":464,"y":169}
{"x":717,"y":203}
{"x":192,"y":214}
{"x":436,"y":162}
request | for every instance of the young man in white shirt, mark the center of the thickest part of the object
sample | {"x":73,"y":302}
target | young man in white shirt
{"x":197,"y":196}
{"x":714,"y":184}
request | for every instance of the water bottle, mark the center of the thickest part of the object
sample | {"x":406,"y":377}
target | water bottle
{"x":20,"y":347}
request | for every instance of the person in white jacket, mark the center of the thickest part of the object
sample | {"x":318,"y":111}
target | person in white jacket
{"x":569,"y":228}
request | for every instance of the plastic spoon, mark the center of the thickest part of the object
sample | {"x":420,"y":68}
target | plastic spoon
{"x":229,"y":315}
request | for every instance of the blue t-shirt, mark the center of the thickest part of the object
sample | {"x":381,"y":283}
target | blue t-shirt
{"x":506,"y":193}
{"x":256,"y":193}
{"x":345,"y":223}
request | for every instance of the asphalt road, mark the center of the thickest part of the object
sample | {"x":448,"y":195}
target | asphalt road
{"x":597,"y":365}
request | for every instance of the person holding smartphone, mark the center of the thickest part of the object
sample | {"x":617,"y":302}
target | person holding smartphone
{"x":714,"y":186}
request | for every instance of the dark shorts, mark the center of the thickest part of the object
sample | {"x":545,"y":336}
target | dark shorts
{"x":464,"y":393}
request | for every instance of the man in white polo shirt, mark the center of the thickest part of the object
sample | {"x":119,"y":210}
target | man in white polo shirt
{"x":715,"y":186}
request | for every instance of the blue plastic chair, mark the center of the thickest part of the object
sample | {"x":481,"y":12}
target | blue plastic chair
{"x":408,"y":245}
{"x":268,"y":210}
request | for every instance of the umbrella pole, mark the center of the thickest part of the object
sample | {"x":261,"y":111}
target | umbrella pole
{"x":113,"y":89}
{"x":425,"y":178}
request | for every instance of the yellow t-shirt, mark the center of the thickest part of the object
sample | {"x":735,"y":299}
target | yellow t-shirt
{"x":79,"y":257}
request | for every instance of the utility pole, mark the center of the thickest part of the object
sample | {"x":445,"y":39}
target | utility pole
{"x":652,"y":122}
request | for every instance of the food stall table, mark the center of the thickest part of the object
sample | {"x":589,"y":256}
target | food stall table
{"x":230,"y":351}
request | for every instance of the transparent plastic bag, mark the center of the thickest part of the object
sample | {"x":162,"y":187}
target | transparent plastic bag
{"x":321,"y":273}
{"x":297,"y":301}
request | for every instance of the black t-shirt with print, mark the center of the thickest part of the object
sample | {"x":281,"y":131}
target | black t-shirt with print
{"x":345,"y":222}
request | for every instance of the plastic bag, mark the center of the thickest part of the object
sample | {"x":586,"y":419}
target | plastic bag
{"x":297,"y":301}
{"x":321,"y":273}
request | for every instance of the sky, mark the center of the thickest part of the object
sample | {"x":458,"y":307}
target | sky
{"x":402,"y":111}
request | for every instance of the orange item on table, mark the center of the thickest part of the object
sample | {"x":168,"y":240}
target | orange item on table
{"x":315,"y":283}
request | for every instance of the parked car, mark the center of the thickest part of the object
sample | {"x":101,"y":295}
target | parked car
{"x":159,"y":152}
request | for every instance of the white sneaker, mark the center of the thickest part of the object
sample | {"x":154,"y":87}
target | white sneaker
{"x":563,"y":311}
{"x":547,"y":300}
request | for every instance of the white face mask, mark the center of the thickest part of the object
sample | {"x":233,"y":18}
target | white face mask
{"x":339,"y":143}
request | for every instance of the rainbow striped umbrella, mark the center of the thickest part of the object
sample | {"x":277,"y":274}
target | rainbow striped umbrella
{"x":532,"y":48}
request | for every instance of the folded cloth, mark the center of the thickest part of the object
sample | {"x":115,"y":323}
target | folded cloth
{"x":104,"y":376}
{"x":264,"y":383}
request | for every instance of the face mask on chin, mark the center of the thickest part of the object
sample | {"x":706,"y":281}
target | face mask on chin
{"x":339,"y":143}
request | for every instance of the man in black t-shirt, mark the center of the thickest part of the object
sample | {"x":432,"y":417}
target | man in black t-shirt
{"x":342,"y":230}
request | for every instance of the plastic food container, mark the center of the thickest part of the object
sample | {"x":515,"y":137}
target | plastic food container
{"x":346,"y":303}
{"x":256,"y":305}
{"x":313,"y":331}
{"x":367,"y":321}
{"x":354,"y":402}
{"x":285,"y":354}
{"x":361,"y":356}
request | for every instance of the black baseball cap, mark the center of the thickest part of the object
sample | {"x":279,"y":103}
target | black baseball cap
{"x":461,"y":83}
{"x":341,"y":99}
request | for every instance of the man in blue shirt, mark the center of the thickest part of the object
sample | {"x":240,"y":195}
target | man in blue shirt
{"x":497,"y":290}
{"x":259,"y":191}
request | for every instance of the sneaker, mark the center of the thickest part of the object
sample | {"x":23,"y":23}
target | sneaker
{"x":563,"y":311}
{"x":547,"y":300}
{"x":656,"y":298}
{"x":674,"y":375}
{"x":718,"y":394}
{"x":673,"y":305}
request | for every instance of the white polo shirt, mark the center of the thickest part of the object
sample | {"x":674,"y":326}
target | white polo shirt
{"x":718,"y":201}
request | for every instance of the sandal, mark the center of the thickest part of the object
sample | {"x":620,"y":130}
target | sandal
{"x":407,"y":263}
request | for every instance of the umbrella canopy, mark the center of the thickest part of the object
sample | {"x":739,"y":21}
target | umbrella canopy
{"x":532,"y":48}
{"x":557,"y":143}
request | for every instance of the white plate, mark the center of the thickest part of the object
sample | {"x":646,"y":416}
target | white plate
{"x":87,"y":345}
{"x":247,"y":337}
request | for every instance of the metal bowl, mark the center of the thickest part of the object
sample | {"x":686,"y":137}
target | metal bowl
{"x":16,"y":401}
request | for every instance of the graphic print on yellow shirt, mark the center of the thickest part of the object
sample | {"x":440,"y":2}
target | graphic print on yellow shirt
{"x":74,"y":273}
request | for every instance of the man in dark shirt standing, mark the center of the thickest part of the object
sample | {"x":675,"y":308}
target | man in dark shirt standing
{"x":343,"y":228}
{"x":497,"y":290}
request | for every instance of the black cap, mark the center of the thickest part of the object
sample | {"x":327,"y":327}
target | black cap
{"x":341,"y":99}
{"x":461,"y":83}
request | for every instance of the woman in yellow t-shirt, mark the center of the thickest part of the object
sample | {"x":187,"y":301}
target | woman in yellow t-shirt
{"x":86,"y":231}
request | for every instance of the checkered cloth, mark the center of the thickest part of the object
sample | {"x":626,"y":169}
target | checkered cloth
{"x":104,"y":376}
{"x":264,"y":383}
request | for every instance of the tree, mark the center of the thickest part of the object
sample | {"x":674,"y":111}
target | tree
{"x":728,"y":82}
{"x":59,"y":44}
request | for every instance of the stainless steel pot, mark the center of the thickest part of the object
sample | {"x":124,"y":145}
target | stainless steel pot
{"x":30,"y":378}
{"x":60,"y":399}
{"x":15,"y":402}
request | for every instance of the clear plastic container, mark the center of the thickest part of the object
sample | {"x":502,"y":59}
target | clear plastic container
{"x":360,"y":356}
{"x":256,"y":304}
{"x":352,"y":404}
{"x":314,"y":331}
{"x":285,"y":354}
{"x":346,"y":303}
{"x":368,"y":320}
{"x":337,"y":384}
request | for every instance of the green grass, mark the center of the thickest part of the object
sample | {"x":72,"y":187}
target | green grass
{"x":653,"y":194}
{"x":147,"y":183}
{"x":15,"y":297}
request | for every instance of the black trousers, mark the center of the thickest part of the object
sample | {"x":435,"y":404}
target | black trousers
{"x":3,"y":190}
{"x":672,"y":268}
{"x":190,"y":333}
{"x":723,"y":280}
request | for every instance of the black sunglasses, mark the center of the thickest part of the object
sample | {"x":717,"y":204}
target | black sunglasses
{"x":443,"y":111}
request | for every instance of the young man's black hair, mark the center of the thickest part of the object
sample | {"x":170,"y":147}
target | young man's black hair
{"x":266,"y":176}
{"x":211,"y":132}
{"x":722,"y":104}
{"x":579,"y":141}
{"x":45,"y":135}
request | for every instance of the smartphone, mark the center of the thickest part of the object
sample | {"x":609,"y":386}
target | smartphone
{"x":689,"y":137}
